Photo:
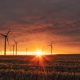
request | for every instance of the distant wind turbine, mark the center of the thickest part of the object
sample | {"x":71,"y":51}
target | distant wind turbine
{"x":13,"y":48}
{"x":5,"y":40}
{"x":16,"y":45}
{"x":51,"y":45}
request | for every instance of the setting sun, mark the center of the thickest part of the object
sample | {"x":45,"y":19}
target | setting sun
{"x":39,"y":52}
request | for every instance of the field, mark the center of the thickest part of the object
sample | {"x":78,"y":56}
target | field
{"x":55,"y":67}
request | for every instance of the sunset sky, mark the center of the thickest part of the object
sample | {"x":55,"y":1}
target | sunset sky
{"x":35,"y":23}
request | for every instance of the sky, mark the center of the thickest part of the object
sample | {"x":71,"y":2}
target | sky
{"x":35,"y":23}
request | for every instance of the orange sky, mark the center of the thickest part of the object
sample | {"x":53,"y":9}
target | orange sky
{"x":61,"y":45}
{"x":34,"y":24}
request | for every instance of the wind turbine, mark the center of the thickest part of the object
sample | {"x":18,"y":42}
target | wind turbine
{"x":16,"y":46}
{"x":13,"y":48}
{"x":51,"y":45}
{"x":5,"y":40}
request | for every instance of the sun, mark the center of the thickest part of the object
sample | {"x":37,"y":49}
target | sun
{"x":38,"y":53}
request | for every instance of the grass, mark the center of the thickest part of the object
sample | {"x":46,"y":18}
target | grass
{"x":56,"y":67}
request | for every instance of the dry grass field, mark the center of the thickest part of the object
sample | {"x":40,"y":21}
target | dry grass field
{"x":55,"y":67}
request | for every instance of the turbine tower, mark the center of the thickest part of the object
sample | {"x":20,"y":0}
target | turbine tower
{"x":13,"y":48}
{"x":16,"y":46}
{"x":51,"y":45}
{"x":5,"y":40}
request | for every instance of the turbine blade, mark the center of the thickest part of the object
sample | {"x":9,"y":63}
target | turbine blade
{"x":8,"y":33}
{"x":2,"y":34}
{"x":8,"y":41}
{"x":49,"y":45}
{"x":15,"y":42}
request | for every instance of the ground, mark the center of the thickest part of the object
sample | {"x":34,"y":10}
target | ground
{"x":50,"y":67}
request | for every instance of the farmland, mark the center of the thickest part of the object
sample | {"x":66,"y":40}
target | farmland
{"x":55,"y":67}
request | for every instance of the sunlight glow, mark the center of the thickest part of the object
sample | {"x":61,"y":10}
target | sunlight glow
{"x":39,"y":52}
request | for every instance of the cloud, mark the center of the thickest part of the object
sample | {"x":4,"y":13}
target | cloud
{"x":48,"y":18}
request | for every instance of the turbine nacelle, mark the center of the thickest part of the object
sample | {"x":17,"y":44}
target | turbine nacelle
{"x":5,"y":35}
